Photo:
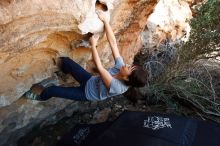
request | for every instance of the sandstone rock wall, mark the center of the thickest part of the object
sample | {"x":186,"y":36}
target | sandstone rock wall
{"x":35,"y":31}
{"x":159,"y":28}
{"x":32,"y":32}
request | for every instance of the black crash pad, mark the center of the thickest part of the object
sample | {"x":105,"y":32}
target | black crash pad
{"x":144,"y":129}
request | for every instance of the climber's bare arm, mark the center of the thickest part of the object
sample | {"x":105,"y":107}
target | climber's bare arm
{"x":110,"y":35}
{"x":112,"y":40}
{"x":106,"y":77}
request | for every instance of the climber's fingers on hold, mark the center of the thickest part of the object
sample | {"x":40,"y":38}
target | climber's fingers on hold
{"x":100,"y":14}
{"x":94,"y":38}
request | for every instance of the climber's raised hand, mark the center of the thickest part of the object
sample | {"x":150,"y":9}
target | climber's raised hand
{"x":94,"y":39}
{"x":109,"y":33}
{"x":101,"y":15}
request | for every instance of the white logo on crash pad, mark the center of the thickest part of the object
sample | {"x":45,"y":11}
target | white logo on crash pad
{"x":156,"y":123}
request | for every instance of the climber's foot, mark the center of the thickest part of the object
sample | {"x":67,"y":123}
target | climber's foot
{"x":37,"y":89}
{"x":34,"y":93}
{"x":31,"y":95}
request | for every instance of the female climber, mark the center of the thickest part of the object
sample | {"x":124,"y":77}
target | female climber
{"x":108,"y":83}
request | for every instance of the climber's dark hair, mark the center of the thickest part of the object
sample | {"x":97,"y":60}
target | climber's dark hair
{"x":138,"y":77}
{"x":133,"y":95}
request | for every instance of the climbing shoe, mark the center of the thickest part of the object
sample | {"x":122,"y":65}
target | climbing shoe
{"x":31,"y":95}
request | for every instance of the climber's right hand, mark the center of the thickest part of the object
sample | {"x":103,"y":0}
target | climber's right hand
{"x":101,"y":15}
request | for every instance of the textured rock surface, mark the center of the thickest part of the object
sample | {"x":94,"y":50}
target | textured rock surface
{"x":159,"y":28}
{"x":35,"y":31}
{"x":32,"y":32}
